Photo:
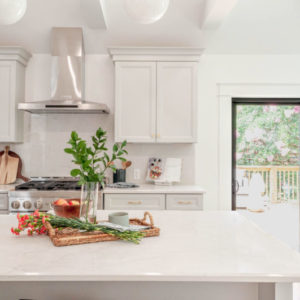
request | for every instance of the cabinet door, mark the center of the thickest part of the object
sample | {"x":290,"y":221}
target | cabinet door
{"x":135,"y":107}
{"x":6,"y":102}
{"x":134,"y":201}
{"x":184,"y":202}
{"x":176,"y":102}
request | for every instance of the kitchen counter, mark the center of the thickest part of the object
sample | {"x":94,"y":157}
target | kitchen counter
{"x":142,"y":189}
{"x":194,"y":246}
{"x":5,"y":188}
{"x":157,"y":189}
{"x":199,"y":255}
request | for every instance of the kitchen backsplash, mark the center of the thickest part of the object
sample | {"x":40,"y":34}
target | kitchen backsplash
{"x":45,"y":136}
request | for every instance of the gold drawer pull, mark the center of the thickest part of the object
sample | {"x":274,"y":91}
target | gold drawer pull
{"x":184,"y":202}
{"x":135,"y":202}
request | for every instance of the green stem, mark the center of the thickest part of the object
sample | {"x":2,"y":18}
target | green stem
{"x":131,"y":236}
{"x":88,"y":196}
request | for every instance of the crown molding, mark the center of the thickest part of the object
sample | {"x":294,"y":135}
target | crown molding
{"x":12,"y":53}
{"x":155,"y":53}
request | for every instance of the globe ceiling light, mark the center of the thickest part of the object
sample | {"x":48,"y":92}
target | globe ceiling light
{"x":146,"y":11}
{"x":11,"y":11}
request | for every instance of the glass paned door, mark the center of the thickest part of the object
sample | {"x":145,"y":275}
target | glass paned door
{"x":266,"y":165}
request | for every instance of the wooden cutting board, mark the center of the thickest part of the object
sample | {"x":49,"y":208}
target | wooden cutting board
{"x":8,"y":168}
{"x":19,"y":171}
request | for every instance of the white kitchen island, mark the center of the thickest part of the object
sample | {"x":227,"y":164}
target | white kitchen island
{"x":199,"y":255}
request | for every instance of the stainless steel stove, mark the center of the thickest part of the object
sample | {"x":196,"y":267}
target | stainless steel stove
{"x":39,"y":193}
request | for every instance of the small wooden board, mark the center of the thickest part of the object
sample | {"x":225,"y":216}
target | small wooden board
{"x":19,"y":171}
{"x":71,"y":236}
{"x":8,"y":167}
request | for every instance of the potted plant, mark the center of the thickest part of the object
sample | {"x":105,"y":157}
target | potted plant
{"x":93,"y":162}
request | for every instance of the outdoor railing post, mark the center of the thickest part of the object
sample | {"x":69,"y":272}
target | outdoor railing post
{"x":273,"y":183}
{"x":278,"y":187}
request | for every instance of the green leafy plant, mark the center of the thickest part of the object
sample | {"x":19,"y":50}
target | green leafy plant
{"x":94,"y":161}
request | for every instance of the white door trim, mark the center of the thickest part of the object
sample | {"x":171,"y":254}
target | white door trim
{"x":227,"y":91}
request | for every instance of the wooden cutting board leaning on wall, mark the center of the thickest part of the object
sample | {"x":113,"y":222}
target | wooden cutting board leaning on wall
{"x":8,"y":167}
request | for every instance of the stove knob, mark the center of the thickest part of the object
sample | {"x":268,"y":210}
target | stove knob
{"x":15,"y":204}
{"x":38,"y":204}
{"x":27,"y":204}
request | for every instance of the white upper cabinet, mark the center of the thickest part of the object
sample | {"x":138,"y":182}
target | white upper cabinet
{"x":135,"y":105}
{"x":176,"y":102}
{"x":13,"y":61}
{"x":156,"y":94}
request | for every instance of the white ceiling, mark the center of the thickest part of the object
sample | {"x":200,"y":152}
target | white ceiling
{"x":179,"y":27}
{"x":252,"y":27}
{"x":259,"y":27}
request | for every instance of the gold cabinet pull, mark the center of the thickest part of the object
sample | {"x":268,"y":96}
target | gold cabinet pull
{"x":158,"y":135}
{"x":135,"y":202}
{"x":184,"y":202}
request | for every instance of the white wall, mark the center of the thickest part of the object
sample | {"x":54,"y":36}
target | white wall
{"x":234,"y":69}
{"x":46,"y":135}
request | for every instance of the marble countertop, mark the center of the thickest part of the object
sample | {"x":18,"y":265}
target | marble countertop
{"x":193,"y":246}
{"x":142,"y":189}
{"x":5,"y":188}
{"x":157,"y":189}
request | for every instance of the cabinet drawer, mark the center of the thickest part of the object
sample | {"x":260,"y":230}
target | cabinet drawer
{"x":184,"y":202}
{"x":3,"y":201}
{"x":134,"y":201}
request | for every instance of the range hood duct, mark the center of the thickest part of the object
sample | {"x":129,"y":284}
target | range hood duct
{"x":67,"y":77}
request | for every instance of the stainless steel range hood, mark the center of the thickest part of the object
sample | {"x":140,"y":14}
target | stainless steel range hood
{"x":67,"y":78}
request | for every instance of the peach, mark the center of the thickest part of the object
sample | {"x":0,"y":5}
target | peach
{"x":74,"y":202}
{"x":61,"y":202}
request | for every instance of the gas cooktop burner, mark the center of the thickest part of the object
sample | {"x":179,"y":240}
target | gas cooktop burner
{"x":49,"y":185}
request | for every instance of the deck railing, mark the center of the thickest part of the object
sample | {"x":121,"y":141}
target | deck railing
{"x":282,"y":182}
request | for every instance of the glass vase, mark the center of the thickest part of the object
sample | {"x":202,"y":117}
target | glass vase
{"x":89,"y":201}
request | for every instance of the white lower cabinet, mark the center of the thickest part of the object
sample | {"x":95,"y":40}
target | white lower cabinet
{"x":134,"y":201}
{"x":184,"y":202}
{"x":153,"y":201}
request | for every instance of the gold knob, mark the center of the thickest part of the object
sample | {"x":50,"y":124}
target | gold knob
{"x":158,"y":135}
{"x":135,"y":202}
{"x":153,"y":135}
{"x":184,"y":202}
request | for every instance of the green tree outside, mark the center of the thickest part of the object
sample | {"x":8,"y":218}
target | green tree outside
{"x":267,"y":135}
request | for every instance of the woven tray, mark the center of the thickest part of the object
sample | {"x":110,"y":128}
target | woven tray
{"x":71,"y":236}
